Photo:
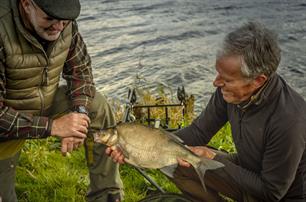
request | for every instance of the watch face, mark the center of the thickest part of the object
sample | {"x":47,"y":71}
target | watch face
{"x":82,"y":109}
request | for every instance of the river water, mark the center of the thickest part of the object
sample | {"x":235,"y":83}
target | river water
{"x":174,"y":42}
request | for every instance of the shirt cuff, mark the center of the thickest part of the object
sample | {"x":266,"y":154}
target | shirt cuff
{"x":49,"y":127}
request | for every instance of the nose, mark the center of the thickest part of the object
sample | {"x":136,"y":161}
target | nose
{"x":218,"y":82}
{"x":59,"y":25}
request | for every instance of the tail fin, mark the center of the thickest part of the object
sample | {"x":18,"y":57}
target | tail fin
{"x":206,"y":164}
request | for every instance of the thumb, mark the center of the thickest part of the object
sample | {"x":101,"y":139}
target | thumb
{"x":183,"y":163}
{"x":108,"y":150}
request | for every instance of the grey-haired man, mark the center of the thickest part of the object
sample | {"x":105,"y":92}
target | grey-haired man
{"x":268,"y":123}
{"x":39,"y":41}
{"x":267,"y":120}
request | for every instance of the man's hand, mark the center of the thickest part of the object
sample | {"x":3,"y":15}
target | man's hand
{"x":116,"y":154}
{"x":71,"y":125}
{"x":68,"y":144}
{"x":201,"y":151}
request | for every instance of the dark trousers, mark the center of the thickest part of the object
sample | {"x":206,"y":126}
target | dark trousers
{"x":217,"y":182}
{"x":7,"y":179}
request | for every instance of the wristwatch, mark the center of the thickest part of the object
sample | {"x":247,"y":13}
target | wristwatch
{"x":81,"y":109}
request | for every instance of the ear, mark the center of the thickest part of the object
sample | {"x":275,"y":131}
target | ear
{"x":260,"y":80}
{"x":25,"y":4}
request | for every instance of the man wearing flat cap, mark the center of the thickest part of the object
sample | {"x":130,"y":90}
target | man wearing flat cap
{"x":39,"y":43}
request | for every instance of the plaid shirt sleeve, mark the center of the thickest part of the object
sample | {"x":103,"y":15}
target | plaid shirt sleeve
{"x":14,"y":124}
{"x":78,"y":72}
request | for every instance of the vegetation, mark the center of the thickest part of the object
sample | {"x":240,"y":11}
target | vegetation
{"x":45,"y":175}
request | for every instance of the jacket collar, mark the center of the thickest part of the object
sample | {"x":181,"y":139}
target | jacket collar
{"x":267,"y":91}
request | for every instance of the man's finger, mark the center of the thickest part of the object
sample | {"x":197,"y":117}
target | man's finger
{"x":85,"y":123}
{"x":113,"y":154}
{"x":79,"y":141}
{"x":84,"y":117}
{"x":80,"y":134}
{"x":82,"y":129}
{"x":183,"y":163}
{"x":121,"y":159}
{"x":69,"y":147}
{"x":64,"y":149}
{"x":118,"y":156}
{"x":108,"y":150}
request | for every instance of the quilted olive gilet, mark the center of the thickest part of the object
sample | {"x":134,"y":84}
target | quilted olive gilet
{"x":32,"y":74}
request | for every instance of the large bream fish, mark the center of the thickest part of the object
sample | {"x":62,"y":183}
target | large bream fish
{"x":154,"y":148}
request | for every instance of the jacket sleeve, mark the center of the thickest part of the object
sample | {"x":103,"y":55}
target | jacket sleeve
{"x":78,"y":72}
{"x":207,"y":124}
{"x":14,"y":124}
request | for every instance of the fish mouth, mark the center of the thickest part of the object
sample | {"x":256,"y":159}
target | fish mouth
{"x":101,"y":137}
{"x":97,"y":138}
{"x":106,"y":137}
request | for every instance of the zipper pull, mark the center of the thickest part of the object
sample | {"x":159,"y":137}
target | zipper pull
{"x":45,"y":80}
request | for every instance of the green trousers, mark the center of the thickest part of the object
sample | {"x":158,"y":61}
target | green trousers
{"x":103,"y":172}
{"x":216,"y":181}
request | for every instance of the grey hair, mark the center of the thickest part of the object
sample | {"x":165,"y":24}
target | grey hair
{"x":257,"y":46}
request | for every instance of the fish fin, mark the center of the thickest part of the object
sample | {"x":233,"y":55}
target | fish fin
{"x":177,"y":140}
{"x":169,"y":170}
{"x":206,"y":164}
{"x":174,"y":137}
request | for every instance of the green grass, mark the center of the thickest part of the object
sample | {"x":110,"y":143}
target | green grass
{"x":223,"y":140}
{"x":44,"y":175}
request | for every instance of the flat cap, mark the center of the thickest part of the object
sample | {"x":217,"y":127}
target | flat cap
{"x":60,"y":9}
